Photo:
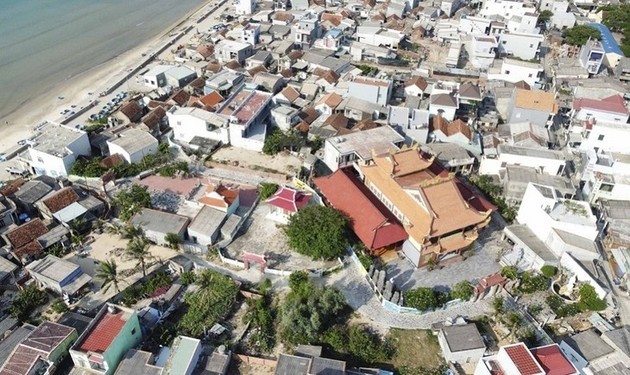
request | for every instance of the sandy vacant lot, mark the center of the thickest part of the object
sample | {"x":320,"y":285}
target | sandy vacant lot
{"x":281,"y":163}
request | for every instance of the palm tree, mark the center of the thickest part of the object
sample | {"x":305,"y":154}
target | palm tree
{"x":126,"y":231}
{"x":108,"y":274}
{"x":138,"y":249}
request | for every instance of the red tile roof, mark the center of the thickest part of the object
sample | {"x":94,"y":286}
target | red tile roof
{"x":31,"y":249}
{"x":523,"y":359}
{"x":61,"y":199}
{"x":290,"y":93}
{"x":132,"y":110}
{"x":370,"y":220}
{"x":614,"y":104}
{"x":180,"y":97}
{"x":553,"y":361}
{"x":103,"y":332}
{"x":26,"y":233}
{"x":289,"y":199}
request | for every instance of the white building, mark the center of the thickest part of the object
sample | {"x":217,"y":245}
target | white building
{"x":244,"y":7}
{"x":562,"y":15}
{"x":228,"y":50}
{"x":155,"y":77}
{"x":191,"y":122}
{"x":133,"y":145}
{"x":373,"y":90}
{"x":605,"y":175}
{"x":550,"y":226}
{"x":248,"y":113}
{"x":56,"y":148}
{"x":444,"y":105}
{"x":461,"y":343}
{"x":360,"y":147}
{"x":482,"y":50}
{"x":61,"y":276}
{"x":250,"y":34}
{"x":506,"y":8}
{"x":594,"y":353}
{"x":513,"y":71}
{"x":525,"y":46}
{"x":544,"y":161}
{"x":517,"y":359}
{"x":592,"y":56}
{"x":377,"y":36}
{"x":608,"y":110}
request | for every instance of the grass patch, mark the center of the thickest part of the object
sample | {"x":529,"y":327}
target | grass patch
{"x":409,"y":343}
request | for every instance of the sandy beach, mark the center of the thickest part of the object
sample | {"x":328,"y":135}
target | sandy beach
{"x":82,"y":88}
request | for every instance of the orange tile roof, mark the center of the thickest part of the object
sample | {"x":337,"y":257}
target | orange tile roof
{"x":417,"y":81}
{"x":430,"y":200}
{"x":211,"y":99}
{"x":104,"y":332}
{"x":219,"y":196}
{"x":537,"y":100}
{"x":332,"y":100}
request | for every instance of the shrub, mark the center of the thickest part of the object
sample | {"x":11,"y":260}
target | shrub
{"x":261,"y":318}
{"x":510,"y":272}
{"x":173,"y":240}
{"x":589,"y":299}
{"x":366,"y":261}
{"x":548,"y":270}
{"x":27,"y":300}
{"x":462,"y":290}
{"x":336,"y":337}
{"x":368,"y":346}
{"x":266,"y":190}
{"x":497,"y":305}
{"x":59,"y":306}
{"x":421,"y":298}
{"x":531,"y":283}
{"x":187,"y":278}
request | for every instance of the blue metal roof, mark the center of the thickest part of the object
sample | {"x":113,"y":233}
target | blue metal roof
{"x":608,"y":41}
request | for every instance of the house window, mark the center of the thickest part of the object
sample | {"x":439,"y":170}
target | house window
{"x":133,"y":331}
{"x":606,"y":187}
{"x":531,"y":46}
{"x":507,"y":72}
{"x":600,"y":137}
{"x":530,"y":75}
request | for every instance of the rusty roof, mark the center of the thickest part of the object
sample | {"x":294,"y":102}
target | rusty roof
{"x":26,"y":233}
{"x":180,"y":97}
{"x":132,"y":110}
{"x":211,"y":99}
{"x":417,"y":81}
{"x":309,"y":114}
{"x":290,"y":93}
{"x":332,"y":100}
{"x":61,"y":199}
{"x":205,"y":50}
{"x":153,"y":118}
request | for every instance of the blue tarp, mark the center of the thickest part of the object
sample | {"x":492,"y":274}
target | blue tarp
{"x":608,"y":41}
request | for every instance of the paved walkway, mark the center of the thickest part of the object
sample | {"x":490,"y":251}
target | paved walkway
{"x":361,"y":298}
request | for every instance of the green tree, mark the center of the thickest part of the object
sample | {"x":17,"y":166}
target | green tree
{"x":589,"y":300}
{"x":368,"y":346}
{"x":462,"y":290}
{"x":616,"y":17}
{"x":510,"y":272}
{"x":138,"y":250}
{"x":173,"y":240}
{"x":498,"y":305}
{"x":59,"y":306}
{"x":317,"y":231}
{"x":578,"y":35}
{"x":260,"y":315}
{"x":266,"y":190}
{"x":336,"y":337}
{"x":130,"y":201}
{"x":308,"y":311}
{"x":531,"y":283}
{"x":28,"y":299}
{"x":107,"y":272}
{"x":549,"y":270}
{"x":187,"y":278}
{"x":278,"y":141}
{"x":545,"y":16}
{"x":421,"y":298}
{"x":211,"y":304}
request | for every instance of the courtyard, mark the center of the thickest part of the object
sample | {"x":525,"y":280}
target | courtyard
{"x":281,"y":163}
{"x":262,"y":236}
{"x":481,"y":262}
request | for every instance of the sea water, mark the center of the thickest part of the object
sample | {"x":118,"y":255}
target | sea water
{"x":45,"y":42}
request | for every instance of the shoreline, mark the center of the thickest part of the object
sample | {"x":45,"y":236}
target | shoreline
{"x":46,"y":106}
